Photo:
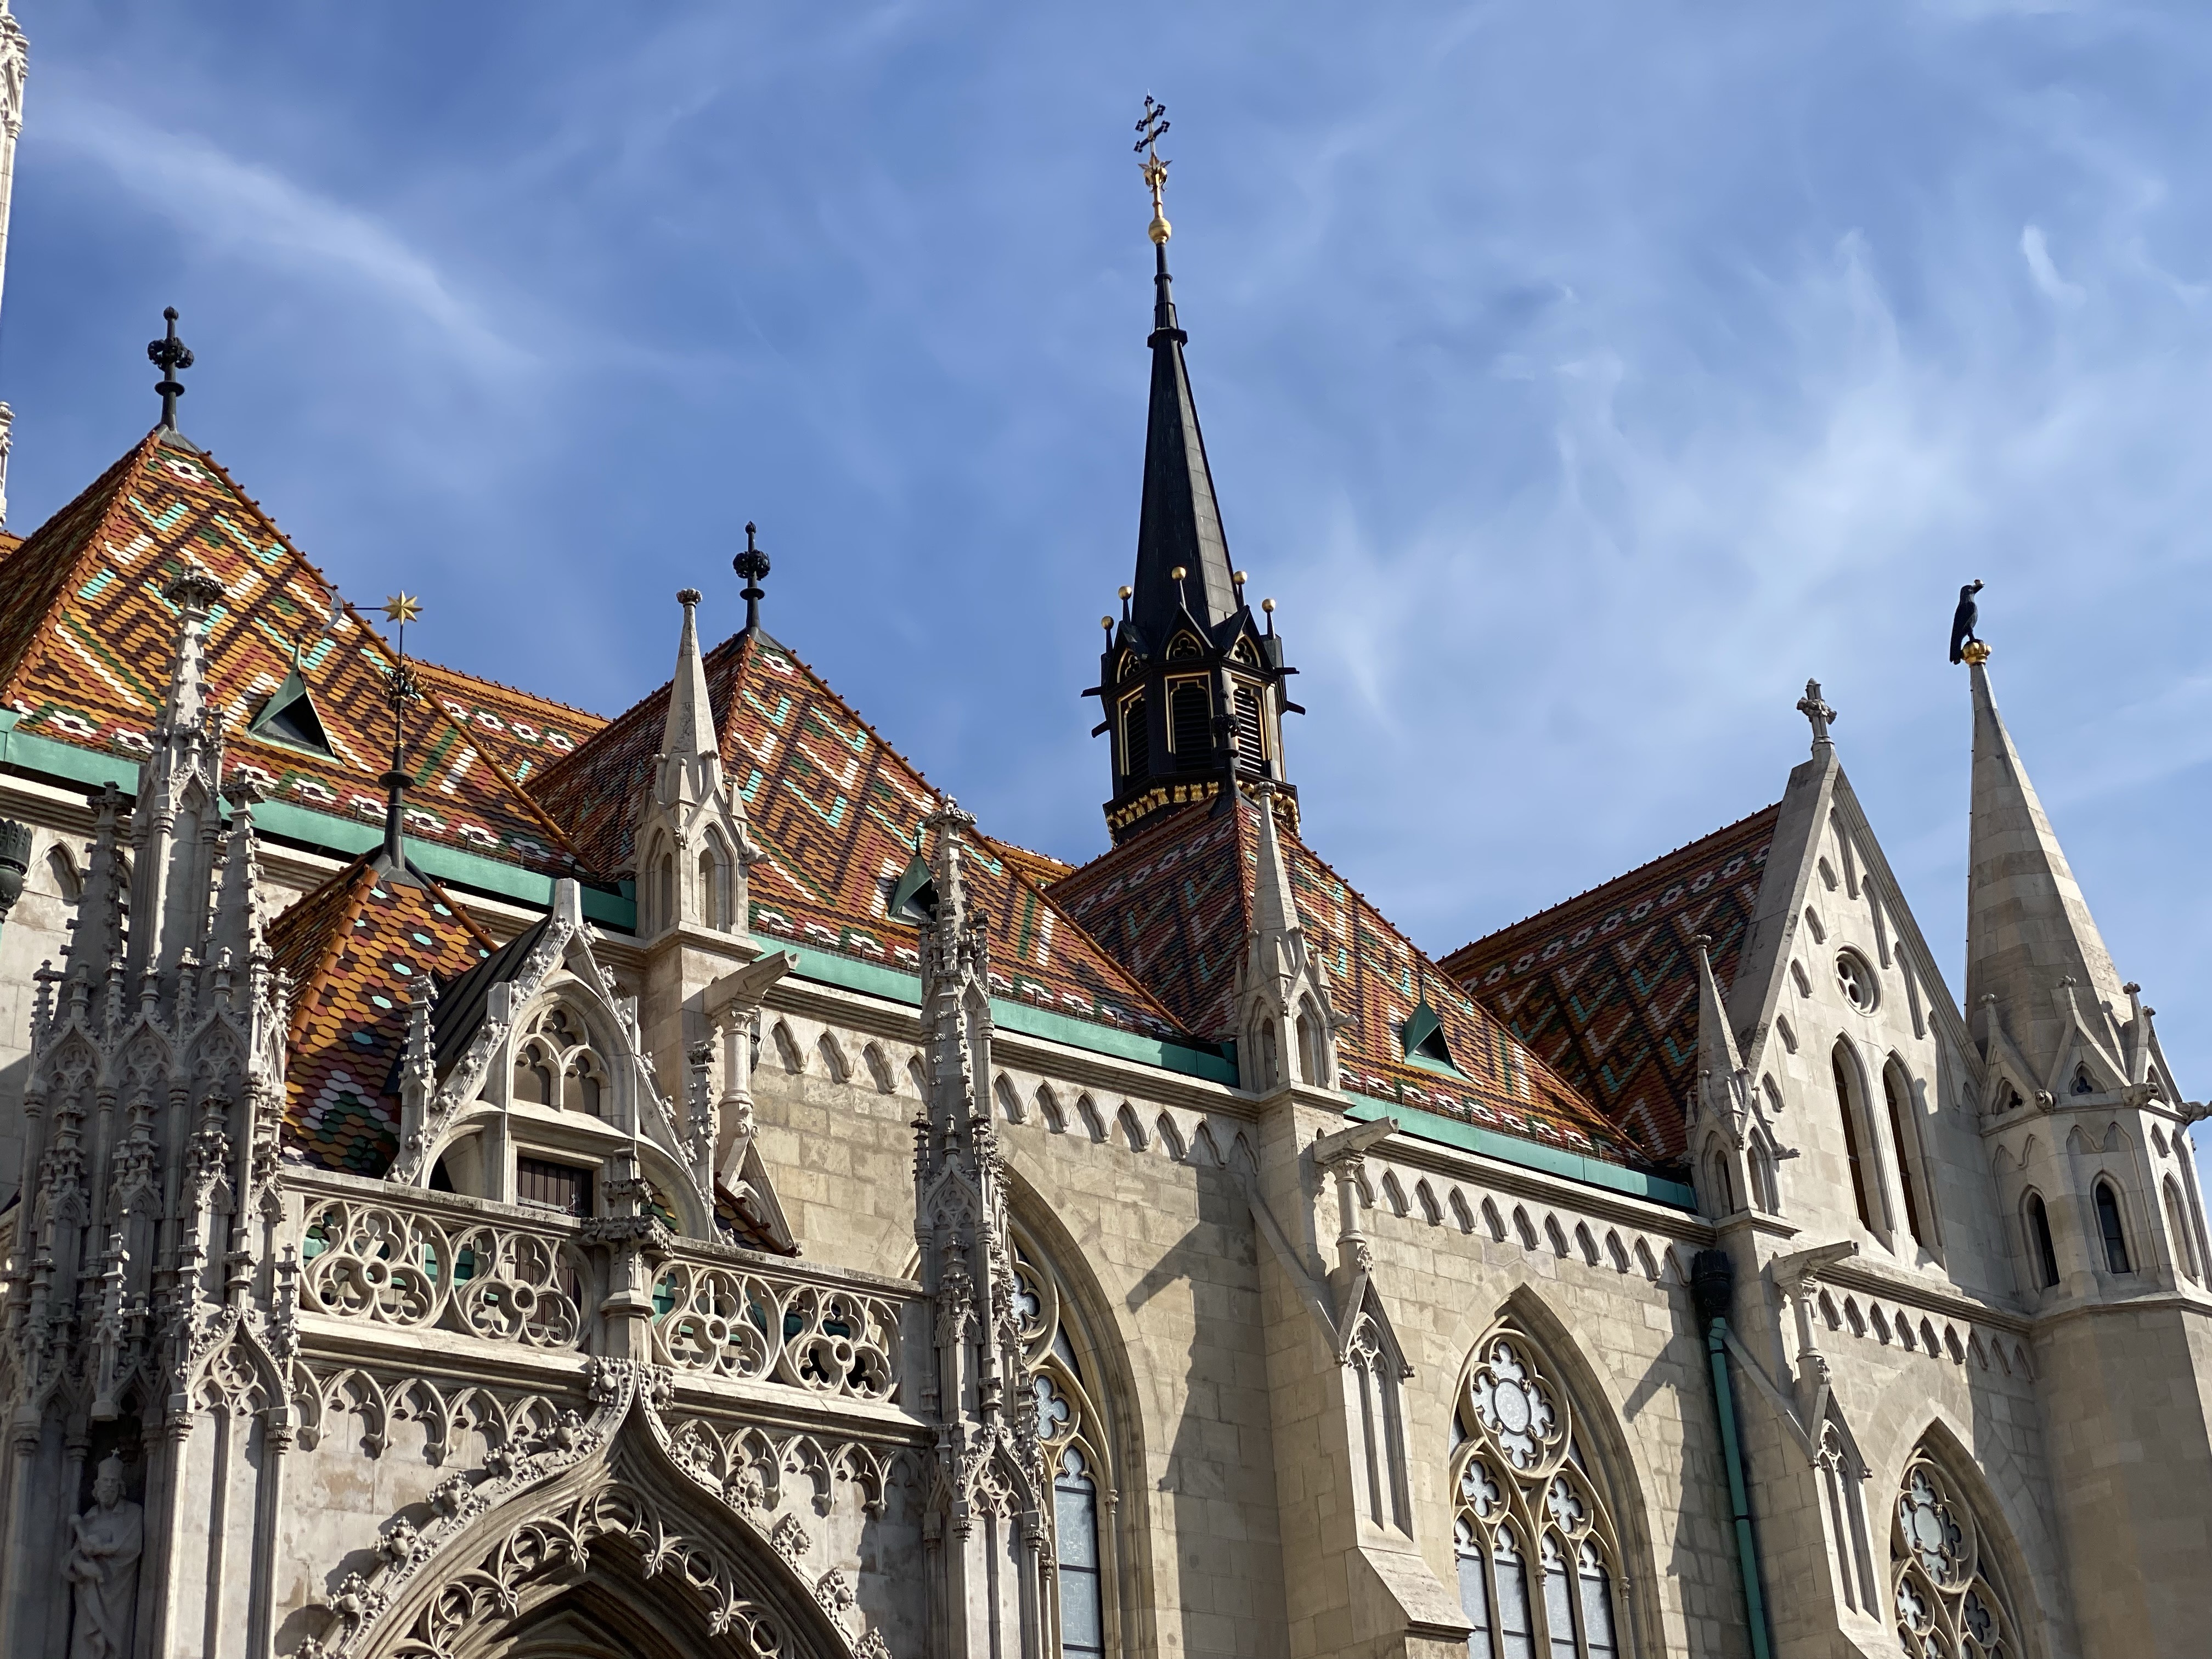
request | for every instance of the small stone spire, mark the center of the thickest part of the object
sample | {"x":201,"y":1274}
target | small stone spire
{"x":15,"y":66}
{"x":690,"y":754}
{"x":174,"y":819}
{"x":169,"y":354}
{"x":2030,"y":938}
{"x":235,"y":940}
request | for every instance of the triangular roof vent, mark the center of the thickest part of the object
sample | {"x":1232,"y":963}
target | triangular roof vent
{"x":1424,"y":1036}
{"x":913,"y":895}
{"x":290,"y":717}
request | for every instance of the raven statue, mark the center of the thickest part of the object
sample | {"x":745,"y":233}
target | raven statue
{"x":1963,"y":620}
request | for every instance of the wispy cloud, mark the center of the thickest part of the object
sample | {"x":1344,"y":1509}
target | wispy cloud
{"x":2036,"y":252}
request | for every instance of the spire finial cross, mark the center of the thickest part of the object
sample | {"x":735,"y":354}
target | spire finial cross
{"x":752,"y":565}
{"x":402,"y":688}
{"x":1818,"y":712}
{"x":169,"y":354}
{"x":1150,"y":130}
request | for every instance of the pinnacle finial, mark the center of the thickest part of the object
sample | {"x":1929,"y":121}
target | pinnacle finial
{"x":402,"y":688}
{"x":169,"y":354}
{"x":1813,"y":709}
{"x":1151,"y":129}
{"x":752,"y":565}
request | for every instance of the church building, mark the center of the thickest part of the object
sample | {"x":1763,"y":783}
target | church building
{"x":483,"y":1181}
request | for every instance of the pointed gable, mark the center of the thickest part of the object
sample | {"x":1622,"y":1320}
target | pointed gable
{"x":838,"y":813}
{"x":357,"y":950}
{"x":83,"y":627}
{"x":1604,"y":985}
{"x":1174,"y":904}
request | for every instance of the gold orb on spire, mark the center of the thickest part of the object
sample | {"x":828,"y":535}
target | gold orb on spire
{"x":1976,"y":652}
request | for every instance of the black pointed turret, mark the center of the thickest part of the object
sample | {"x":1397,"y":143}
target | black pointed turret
{"x":1191,"y":687}
{"x":1179,"y":527}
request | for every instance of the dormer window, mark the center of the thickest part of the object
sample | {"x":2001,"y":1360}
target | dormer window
{"x":1423,"y":1035}
{"x":290,"y":717}
{"x":913,"y":895}
{"x":1184,"y":645}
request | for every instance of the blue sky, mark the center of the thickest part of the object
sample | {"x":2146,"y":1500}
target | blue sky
{"x":1580,"y":379}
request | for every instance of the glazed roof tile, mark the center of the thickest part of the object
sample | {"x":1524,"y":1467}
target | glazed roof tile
{"x":838,"y":812}
{"x":1174,"y":906}
{"x":521,"y":732}
{"x":85,"y":637}
{"x":1604,"y":985}
{"x":357,"y":950}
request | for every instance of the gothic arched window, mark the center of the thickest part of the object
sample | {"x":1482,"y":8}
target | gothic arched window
{"x":2039,"y":1240}
{"x":1539,"y":1561}
{"x":1849,"y":1108}
{"x":1897,"y":1094}
{"x":1950,"y":1603}
{"x":2177,"y":1221}
{"x":557,"y":1065}
{"x":2109,"y":1227}
{"x":1077,"y":1442}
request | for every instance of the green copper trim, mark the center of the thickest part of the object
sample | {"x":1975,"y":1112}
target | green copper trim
{"x":826,"y":969}
{"x":1528,"y":1154}
{"x":65,"y":762}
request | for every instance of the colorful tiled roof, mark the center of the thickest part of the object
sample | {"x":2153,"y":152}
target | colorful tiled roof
{"x":1173,"y":905}
{"x":85,"y":637}
{"x":357,"y":950}
{"x":838,"y":813}
{"x":522,"y":733}
{"x":1604,"y":985}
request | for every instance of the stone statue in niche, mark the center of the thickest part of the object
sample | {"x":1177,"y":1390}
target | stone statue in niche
{"x":102,"y":1567}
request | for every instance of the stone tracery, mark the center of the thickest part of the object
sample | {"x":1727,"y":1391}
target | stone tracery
{"x":1528,"y":1501}
{"x":1948,"y":1600}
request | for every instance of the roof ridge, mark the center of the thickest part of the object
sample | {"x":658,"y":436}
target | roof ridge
{"x":1611,"y":881}
{"x":29,"y":615}
{"x":501,"y":685}
{"x":1458,"y":990}
{"x":384,"y":650}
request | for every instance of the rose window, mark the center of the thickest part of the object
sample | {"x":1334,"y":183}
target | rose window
{"x":1949,"y":1603}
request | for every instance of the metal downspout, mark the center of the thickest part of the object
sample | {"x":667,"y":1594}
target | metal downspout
{"x":1712,"y":1289}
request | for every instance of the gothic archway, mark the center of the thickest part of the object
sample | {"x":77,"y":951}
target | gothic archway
{"x":595,"y":1529}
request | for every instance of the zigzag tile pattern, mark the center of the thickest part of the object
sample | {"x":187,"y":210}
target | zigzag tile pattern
{"x":357,"y":950}
{"x":519,"y":733}
{"x":85,"y":637}
{"x":1174,"y":906}
{"x":839,"y":813}
{"x":1605,"y":985}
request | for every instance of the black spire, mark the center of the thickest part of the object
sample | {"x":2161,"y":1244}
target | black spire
{"x":1179,"y":526}
{"x":401,"y":690}
{"x":1191,"y":689}
{"x":752,"y":565}
{"x":169,"y":354}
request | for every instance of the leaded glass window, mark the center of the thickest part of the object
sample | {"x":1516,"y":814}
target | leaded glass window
{"x":1949,"y":1602}
{"x":1529,"y":1508}
{"x":1077,"y":1443}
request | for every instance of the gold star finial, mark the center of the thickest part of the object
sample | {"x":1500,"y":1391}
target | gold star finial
{"x":402,"y":608}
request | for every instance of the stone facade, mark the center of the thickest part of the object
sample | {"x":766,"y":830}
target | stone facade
{"x":608,"y":1217}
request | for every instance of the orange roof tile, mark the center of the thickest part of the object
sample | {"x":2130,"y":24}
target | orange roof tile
{"x":1605,"y":985}
{"x":519,"y":731}
{"x":1173,"y":904}
{"x":838,"y":812}
{"x":85,"y":638}
{"x":357,"y":950}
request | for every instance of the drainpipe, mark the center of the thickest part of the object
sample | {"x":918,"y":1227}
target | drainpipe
{"x":1713,"y":1290}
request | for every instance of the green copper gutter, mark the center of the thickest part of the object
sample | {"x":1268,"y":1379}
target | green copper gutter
{"x":322,"y":832}
{"x":826,"y":969}
{"x":1712,"y":1287}
{"x":1528,"y":1154}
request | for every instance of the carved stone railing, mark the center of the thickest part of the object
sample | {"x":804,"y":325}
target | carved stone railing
{"x":401,"y":1260}
{"x":719,"y":1317}
{"x":403,"y":1263}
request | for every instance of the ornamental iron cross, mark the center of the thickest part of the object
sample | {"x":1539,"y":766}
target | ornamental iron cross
{"x":1153,"y":128}
{"x":169,"y":354}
